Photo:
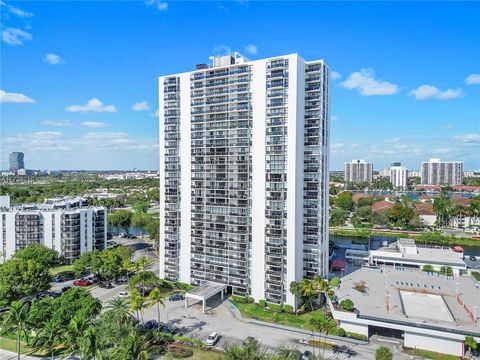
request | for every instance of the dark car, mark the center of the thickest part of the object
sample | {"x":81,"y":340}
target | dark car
{"x":57,"y":279}
{"x":106,"y":285}
{"x":65,"y":288}
{"x":151,"y":325}
{"x":345,"y":350}
{"x":176,"y":297}
{"x":307,"y":355}
{"x":472,"y":258}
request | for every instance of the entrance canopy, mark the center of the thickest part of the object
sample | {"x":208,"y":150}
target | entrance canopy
{"x":205,"y":292}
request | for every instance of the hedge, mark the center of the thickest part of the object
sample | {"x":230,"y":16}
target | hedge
{"x":250,"y":300}
{"x":288,"y":309}
{"x":262,"y":303}
{"x":357,"y":336}
{"x":275,"y":307}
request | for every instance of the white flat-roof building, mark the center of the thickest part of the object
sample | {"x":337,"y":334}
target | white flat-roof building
{"x":398,"y":176}
{"x":405,"y":254}
{"x":358,"y":171}
{"x":244,"y":148}
{"x":424,"y":311}
{"x":59,"y":225}
{"x":436,"y":172}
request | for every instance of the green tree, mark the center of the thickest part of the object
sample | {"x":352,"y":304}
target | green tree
{"x":362,"y":214}
{"x":427,"y":268}
{"x":133,"y":347}
{"x":338,"y":216}
{"x":140,"y":220}
{"x":153,"y":229}
{"x":75,"y":302}
{"x":365,"y":201}
{"x":89,"y":343}
{"x":73,"y":334}
{"x":19,"y":278}
{"x":250,"y":349}
{"x":155,"y":298}
{"x":400,"y":215}
{"x":344,"y":201}
{"x":49,"y":335}
{"x":39,"y":254}
{"x":137,"y":304}
{"x":144,"y":279}
{"x":141,"y":206}
{"x":14,"y":321}
{"x":383,"y":353}
{"x":471,"y":345}
{"x":347,"y":305}
{"x":442,"y":208}
{"x":295,"y":290}
{"x":308,"y":292}
{"x":322,"y":324}
{"x":120,"y":219}
{"x":120,"y":306}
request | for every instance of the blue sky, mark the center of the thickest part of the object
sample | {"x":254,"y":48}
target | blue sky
{"x":407,"y":84}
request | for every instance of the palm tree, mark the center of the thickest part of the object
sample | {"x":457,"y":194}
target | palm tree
{"x":137,"y":304}
{"x":295,"y":291}
{"x":89,"y":343}
{"x":74,"y":332}
{"x":133,"y":347}
{"x":144,"y":279}
{"x":471,"y":344}
{"x":323,"y":324}
{"x":156,"y":298}
{"x":121,"y":306}
{"x":308,"y":291}
{"x":48,"y":336}
{"x":326,"y":287}
{"x":14,"y":321}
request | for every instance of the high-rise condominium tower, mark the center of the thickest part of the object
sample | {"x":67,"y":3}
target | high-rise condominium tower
{"x":398,"y":176}
{"x":436,"y":172}
{"x":358,"y":171}
{"x":244,"y":149}
{"x":16,"y":161}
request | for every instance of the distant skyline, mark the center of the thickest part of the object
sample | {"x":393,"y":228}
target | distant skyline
{"x":79,"y":80}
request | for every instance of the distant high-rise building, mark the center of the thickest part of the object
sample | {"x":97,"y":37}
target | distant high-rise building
{"x":384,"y":173}
{"x":413,"y":174}
{"x":65,"y":226}
{"x":398,"y":176}
{"x":16,"y":161}
{"x":244,"y":151}
{"x":436,"y":172}
{"x":358,"y":171}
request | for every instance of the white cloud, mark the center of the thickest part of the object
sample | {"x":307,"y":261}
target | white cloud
{"x":14,"y":36}
{"x":468,"y":138}
{"x":222,"y":50}
{"x":425,"y":92}
{"x":160,"y":5}
{"x":94,"y":124}
{"x":365,"y":83}
{"x":16,"y":11}
{"x":251,"y":49}
{"x":335,"y":75}
{"x":473,"y":79}
{"x":6,"y":97}
{"x":56,"y":123}
{"x":140,"y":106}
{"x":94,"y":105}
{"x":53,"y":59}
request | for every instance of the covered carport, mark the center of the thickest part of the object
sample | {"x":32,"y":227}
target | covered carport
{"x":204,"y":292}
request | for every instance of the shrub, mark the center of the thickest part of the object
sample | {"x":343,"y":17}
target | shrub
{"x":476,"y":275}
{"x":383,"y":353}
{"x":250,"y":300}
{"x":262,"y":303}
{"x":340,"y":332}
{"x":190,"y":341}
{"x":289,"y":309}
{"x":347,"y":305}
{"x":180,"y":352}
{"x":357,"y":336}
{"x":275,"y":307}
{"x":239,"y":299}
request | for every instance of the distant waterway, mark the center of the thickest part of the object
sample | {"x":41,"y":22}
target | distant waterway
{"x":414,"y":195}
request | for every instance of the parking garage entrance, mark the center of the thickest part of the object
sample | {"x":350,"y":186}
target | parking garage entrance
{"x":204,"y":292}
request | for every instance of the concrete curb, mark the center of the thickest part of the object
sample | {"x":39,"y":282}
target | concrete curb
{"x":233,"y":309}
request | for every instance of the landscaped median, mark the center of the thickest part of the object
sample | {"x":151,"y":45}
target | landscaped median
{"x":270,"y":314}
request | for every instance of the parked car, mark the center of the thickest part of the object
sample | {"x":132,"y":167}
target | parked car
{"x":176,"y":297}
{"x":122,"y":280}
{"x":307,"y":355}
{"x":65,"y":288}
{"x":211,"y":339}
{"x":82,"y":282}
{"x":472,"y":258}
{"x":151,"y":325}
{"x":106,"y":285}
{"x":122,"y":294}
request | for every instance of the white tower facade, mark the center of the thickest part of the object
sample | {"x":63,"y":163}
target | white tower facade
{"x":244,"y":148}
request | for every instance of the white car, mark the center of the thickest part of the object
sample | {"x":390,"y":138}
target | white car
{"x":122,"y":294}
{"x":211,"y":339}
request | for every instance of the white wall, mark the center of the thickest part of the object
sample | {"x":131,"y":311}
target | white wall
{"x":431,"y":343}
{"x":162,"y":181}
{"x":258,"y":85}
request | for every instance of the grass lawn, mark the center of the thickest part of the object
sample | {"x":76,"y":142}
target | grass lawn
{"x":199,"y":354}
{"x":429,"y":354}
{"x":254,"y":311}
{"x":62,"y":268}
{"x":11,"y":345}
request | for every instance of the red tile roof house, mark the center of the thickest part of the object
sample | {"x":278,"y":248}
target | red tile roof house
{"x":357,"y":197}
{"x":381,"y":206}
{"x":426,"y":214}
{"x":460,"y":200}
